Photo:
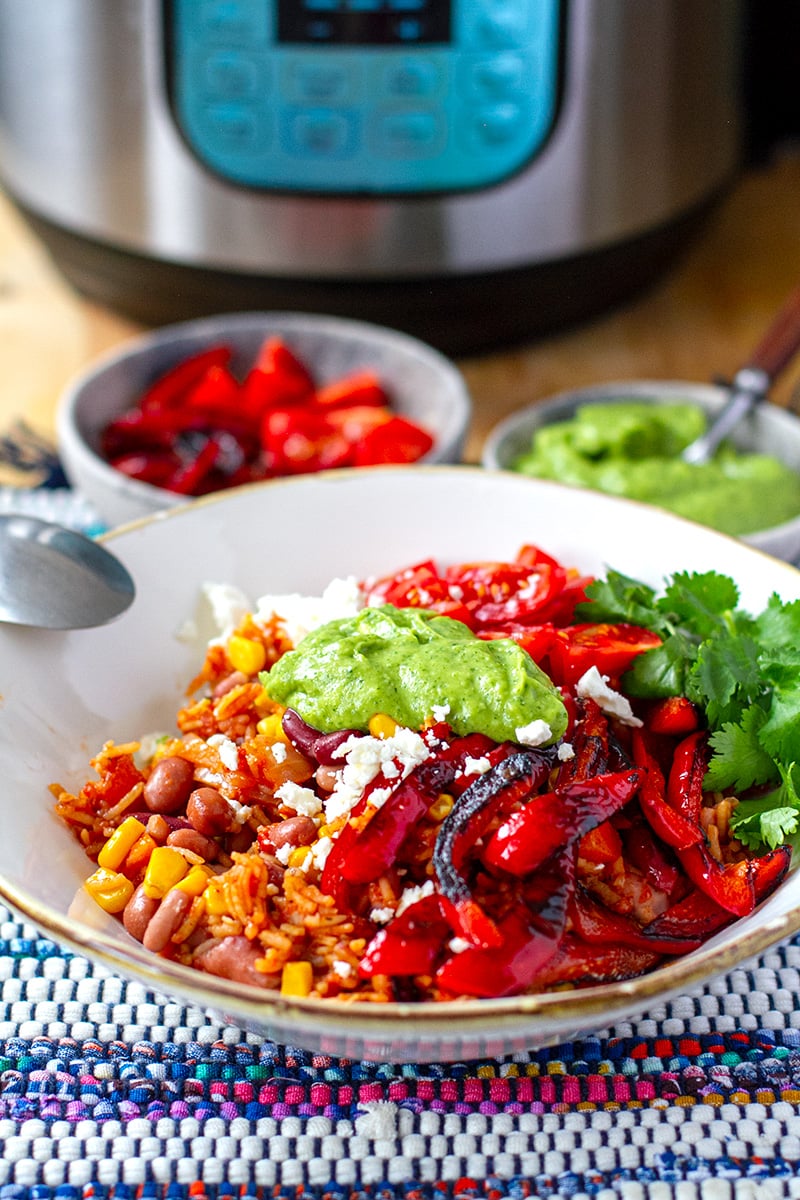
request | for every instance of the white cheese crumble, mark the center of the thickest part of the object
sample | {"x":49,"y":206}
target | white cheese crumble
{"x":300,"y":614}
{"x":279,"y":752}
{"x":411,"y":895}
{"x":319,"y":853}
{"x":441,"y":712}
{"x":459,"y":945}
{"x":228,"y":751}
{"x":302,"y":799}
{"x":476,"y":766}
{"x":342,"y":968}
{"x":220,"y":608}
{"x":381,"y":916}
{"x":565,"y":752}
{"x":364,"y":759}
{"x":594,"y":686}
{"x":283,"y":853}
{"x":535,"y":733}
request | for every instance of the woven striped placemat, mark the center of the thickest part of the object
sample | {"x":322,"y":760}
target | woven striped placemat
{"x":109,"y":1091}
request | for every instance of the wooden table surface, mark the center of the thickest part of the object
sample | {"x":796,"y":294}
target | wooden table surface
{"x":697,"y":323}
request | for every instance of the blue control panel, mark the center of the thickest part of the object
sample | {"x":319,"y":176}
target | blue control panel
{"x":354,"y":97}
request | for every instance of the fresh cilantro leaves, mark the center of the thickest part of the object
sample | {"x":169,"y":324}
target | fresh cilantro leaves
{"x":742,"y":670}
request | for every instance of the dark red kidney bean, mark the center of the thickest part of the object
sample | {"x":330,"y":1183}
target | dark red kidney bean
{"x":294,"y":831}
{"x":196,"y":843}
{"x":209,"y":812}
{"x":235,"y":958}
{"x":275,"y":870}
{"x":169,"y":784}
{"x":138,"y":912}
{"x":166,"y":920}
{"x":311,"y":742}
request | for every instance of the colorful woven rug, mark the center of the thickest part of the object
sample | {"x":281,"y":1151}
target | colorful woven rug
{"x":111,"y":1092}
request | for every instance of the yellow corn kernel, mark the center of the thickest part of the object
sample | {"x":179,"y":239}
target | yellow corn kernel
{"x":120,"y":843}
{"x":298,"y":856}
{"x":382,"y":726}
{"x":110,"y":889}
{"x":272,"y":727}
{"x":296,"y":979}
{"x":196,"y":881}
{"x":332,"y":827}
{"x":214,"y":896}
{"x":440,"y":807}
{"x":166,"y":867}
{"x":246,"y":655}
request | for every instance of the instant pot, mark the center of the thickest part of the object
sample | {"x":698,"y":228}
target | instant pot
{"x":472,"y":171}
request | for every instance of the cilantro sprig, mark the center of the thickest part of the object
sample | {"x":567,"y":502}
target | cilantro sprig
{"x":742,"y":670}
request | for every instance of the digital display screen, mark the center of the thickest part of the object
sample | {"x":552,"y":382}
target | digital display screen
{"x":364,"y":22}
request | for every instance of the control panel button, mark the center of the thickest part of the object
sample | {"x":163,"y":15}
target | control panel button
{"x":231,"y":76}
{"x":234,"y":127}
{"x":409,"y":79}
{"x":320,"y":133}
{"x":320,"y":81}
{"x":408,"y":134}
{"x":496,"y":76}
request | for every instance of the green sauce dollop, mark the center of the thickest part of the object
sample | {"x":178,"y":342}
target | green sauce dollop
{"x":632,"y":448}
{"x":407,"y":662}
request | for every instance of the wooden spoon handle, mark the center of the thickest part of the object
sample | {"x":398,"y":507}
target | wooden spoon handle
{"x":781,"y":341}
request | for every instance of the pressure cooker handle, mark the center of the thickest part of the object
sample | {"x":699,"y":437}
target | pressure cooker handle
{"x":781,"y":341}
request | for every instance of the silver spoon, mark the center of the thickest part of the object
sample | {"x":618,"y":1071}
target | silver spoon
{"x":752,"y":381}
{"x":55,"y":578}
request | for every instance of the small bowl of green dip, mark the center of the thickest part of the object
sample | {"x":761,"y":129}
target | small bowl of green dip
{"x":626,"y":439}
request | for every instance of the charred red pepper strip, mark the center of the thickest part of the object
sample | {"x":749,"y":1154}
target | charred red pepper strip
{"x":581,"y":964}
{"x":671,"y":825}
{"x":649,"y":855}
{"x":528,"y":940}
{"x":171,"y":387}
{"x":685,"y":782}
{"x":410,"y":944}
{"x":599,"y":925}
{"x":590,"y":745}
{"x":675,"y":716}
{"x":731,"y":885}
{"x":517,"y":776}
{"x":533,"y":833}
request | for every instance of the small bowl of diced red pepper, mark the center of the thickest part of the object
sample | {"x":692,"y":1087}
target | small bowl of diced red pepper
{"x":217,"y":403}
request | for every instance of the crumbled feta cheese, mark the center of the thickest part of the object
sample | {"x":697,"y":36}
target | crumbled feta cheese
{"x":381,"y":916}
{"x":459,"y":945}
{"x":300,"y":614}
{"x":302,"y":799}
{"x":476,"y":766}
{"x":365,"y":759}
{"x":220,"y":608}
{"x":279,"y":752}
{"x":441,"y":712}
{"x":341,"y":968}
{"x":565,"y":752}
{"x":536,"y":733}
{"x":319,"y":853}
{"x":411,"y":895}
{"x":594,"y":686}
{"x":228,"y":751}
{"x":282,"y":853}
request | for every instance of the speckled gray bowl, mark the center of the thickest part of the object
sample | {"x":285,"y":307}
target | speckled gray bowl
{"x":425,"y":386}
{"x":769,"y":430}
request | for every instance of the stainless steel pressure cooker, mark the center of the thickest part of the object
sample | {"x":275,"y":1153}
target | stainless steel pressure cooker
{"x":474,"y":171}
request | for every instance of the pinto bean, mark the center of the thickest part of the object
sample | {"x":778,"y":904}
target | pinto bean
{"x":158,"y":828}
{"x":228,"y":683}
{"x":209,"y":812}
{"x":294,"y":831}
{"x":326,"y":778}
{"x":169,"y":784}
{"x":196,"y":843}
{"x":235,"y":958}
{"x":138,"y":912}
{"x":167,"y":919}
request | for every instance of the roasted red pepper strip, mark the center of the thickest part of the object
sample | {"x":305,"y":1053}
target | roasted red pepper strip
{"x":589,"y":744}
{"x":731,"y":885}
{"x":675,"y":716}
{"x":671,"y":825}
{"x":581,"y":964}
{"x":410,"y":944}
{"x":171,"y":388}
{"x":515,"y":777}
{"x":685,"y":782}
{"x":548,"y":822}
{"x":645,"y":852}
{"x":528,"y":940}
{"x":597,"y":924}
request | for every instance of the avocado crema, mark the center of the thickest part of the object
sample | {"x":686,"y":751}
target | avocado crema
{"x":407,"y":663}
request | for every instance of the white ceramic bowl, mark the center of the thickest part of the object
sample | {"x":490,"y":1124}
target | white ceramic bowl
{"x":425,"y":386}
{"x":65,"y":694}
{"x":769,"y":430}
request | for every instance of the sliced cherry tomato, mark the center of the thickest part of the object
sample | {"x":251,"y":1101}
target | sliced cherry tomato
{"x":610,"y":648}
{"x":396,"y":441}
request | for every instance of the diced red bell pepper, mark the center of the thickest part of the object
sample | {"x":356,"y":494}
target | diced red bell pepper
{"x":396,"y":441}
{"x":610,"y":648}
{"x":670,"y":824}
{"x":675,"y":716}
{"x":362,"y":388}
{"x":529,"y":836}
{"x":410,"y":944}
{"x":601,"y":845}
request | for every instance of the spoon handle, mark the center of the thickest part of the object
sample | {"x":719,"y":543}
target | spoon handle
{"x":781,"y":341}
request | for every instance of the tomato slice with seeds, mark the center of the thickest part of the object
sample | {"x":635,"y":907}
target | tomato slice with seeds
{"x":610,"y":648}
